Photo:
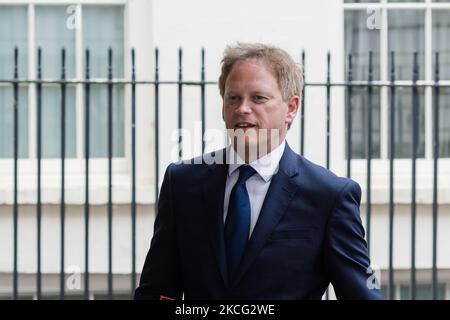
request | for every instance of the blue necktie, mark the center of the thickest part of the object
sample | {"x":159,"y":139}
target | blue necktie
{"x":237,"y":225}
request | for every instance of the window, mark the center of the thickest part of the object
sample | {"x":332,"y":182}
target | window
{"x":414,"y":26}
{"x":102,"y":27}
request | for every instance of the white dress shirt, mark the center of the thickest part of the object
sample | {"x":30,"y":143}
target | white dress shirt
{"x":258,"y":184}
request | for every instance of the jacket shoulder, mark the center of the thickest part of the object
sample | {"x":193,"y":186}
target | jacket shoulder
{"x":323,"y":181}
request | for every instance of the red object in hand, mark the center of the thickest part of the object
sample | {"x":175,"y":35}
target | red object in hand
{"x":161,"y":297}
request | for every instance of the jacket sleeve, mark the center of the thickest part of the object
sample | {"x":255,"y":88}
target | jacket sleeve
{"x":161,"y":274}
{"x":346,"y":256}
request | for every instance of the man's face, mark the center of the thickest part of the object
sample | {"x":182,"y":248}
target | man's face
{"x":253,"y":101}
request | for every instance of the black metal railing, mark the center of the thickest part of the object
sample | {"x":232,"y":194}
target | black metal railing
{"x":349,"y":85}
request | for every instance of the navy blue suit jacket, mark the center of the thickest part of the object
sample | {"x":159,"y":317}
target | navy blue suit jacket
{"x":308,"y":234}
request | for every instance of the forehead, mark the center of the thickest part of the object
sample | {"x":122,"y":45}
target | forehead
{"x":251,"y":72}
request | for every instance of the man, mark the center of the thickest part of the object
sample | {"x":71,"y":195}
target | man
{"x":271,"y":225}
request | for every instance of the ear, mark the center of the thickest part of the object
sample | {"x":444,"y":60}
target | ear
{"x":293,"y":106}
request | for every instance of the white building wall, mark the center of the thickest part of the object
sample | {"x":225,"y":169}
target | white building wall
{"x":75,"y":238}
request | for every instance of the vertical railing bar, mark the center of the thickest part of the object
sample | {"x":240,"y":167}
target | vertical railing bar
{"x":369,"y":150}
{"x":180,"y":101}
{"x":413,"y":196}
{"x":133,"y":172}
{"x":63,"y":160}
{"x":203,"y":99}
{"x":349,"y":115}
{"x":302,"y":110}
{"x":435,"y":176}
{"x":328,"y":108}
{"x":16,"y":147}
{"x":39,"y":155}
{"x":86,"y":185}
{"x":110,"y":153}
{"x":391,"y":178}
{"x":156,"y":129}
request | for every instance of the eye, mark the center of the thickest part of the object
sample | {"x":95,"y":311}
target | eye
{"x":260,"y":99}
{"x":232,"y":98}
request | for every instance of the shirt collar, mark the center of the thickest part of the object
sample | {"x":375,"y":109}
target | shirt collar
{"x":265,"y":166}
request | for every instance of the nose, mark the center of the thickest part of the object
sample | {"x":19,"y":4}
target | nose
{"x":244,"y":107}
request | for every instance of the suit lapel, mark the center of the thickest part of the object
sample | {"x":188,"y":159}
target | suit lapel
{"x":213,"y":197}
{"x":281,"y":191}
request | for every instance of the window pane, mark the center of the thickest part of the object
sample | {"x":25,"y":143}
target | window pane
{"x":99,"y":121}
{"x":52,"y":34}
{"x":404,"y":123}
{"x":360,"y":122}
{"x":7,"y":122}
{"x":423,"y":292}
{"x":116,"y":296}
{"x":406,"y":36}
{"x":441,"y":41}
{"x":359,"y":41}
{"x":51,"y":122}
{"x":385,"y":292}
{"x":13,"y":32}
{"x":103,"y":28}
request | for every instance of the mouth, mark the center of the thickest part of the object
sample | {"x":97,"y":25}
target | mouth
{"x":244,"y":125}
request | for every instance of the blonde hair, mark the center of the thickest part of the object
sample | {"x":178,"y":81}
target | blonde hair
{"x":288,"y":73}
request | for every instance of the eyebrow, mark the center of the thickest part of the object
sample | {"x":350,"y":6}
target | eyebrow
{"x":258,"y":93}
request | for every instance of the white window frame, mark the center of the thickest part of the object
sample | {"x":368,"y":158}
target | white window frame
{"x":75,"y":167}
{"x":403,"y":167}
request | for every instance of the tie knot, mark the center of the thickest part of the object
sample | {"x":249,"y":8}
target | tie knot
{"x":245,"y":172}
